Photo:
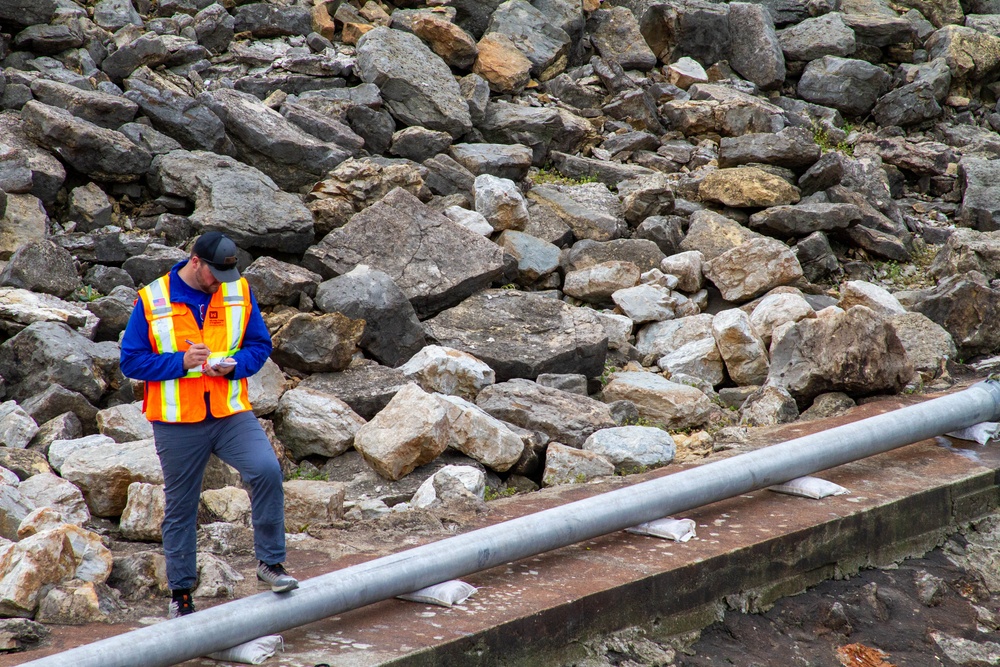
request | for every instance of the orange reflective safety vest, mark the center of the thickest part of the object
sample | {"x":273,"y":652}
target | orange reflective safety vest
{"x":170,"y":324}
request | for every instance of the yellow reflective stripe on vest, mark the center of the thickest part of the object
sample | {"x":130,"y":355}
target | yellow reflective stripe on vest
{"x":170,"y":401}
{"x":162,"y":325}
{"x":232,"y":299}
{"x":233,"y":398}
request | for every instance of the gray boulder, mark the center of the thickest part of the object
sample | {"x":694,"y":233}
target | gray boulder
{"x":314,"y":422}
{"x":180,"y":116}
{"x":146,"y":50}
{"x":265,"y":20}
{"x":237,"y":198}
{"x":756,"y":53}
{"x":542,"y":129}
{"x":591,"y":210}
{"x":267,"y":141}
{"x":41,"y":266}
{"x":562,"y":416}
{"x":500,"y":160}
{"x":275,"y":282}
{"x":416,"y":84}
{"x":214,"y":28}
{"x":753,"y":268}
{"x":521,"y":335}
{"x":855,"y":351}
{"x":102,"y":154}
{"x":814,"y":38}
{"x":805,"y":218}
{"x":965,"y":305}
{"x":51,"y":353}
{"x":101,"y":109}
{"x":616,"y":35}
{"x":978,"y":180}
{"x":47,"y":172}
{"x":694,"y":28}
{"x":850,"y":86}
{"x":317,"y":343}
{"x":439,"y":262}
{"x":793,"y":148}
{"x":366,"y":387}
{"x":392,"y":331}
{"x":908,"y":105}
{"x":544,"y":44}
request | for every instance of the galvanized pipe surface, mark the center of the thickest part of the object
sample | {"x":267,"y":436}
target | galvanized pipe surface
{"x":239,"y":621}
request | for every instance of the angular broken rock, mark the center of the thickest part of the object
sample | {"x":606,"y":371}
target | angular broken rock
{"x":480,"y":436}
{"x":143,"y":513}
{"x":741,"y":347}
{"x":753,"y":268}
{"x":596,"y":283}
{"x":561,"y":415}
{"x":448,"y":371}
{"x":104,"y":472}
{"x":500,"y":202}
{"x":768,"y":406}
{"x":392,"y":332}
{"x":14,"y":508}
{"x":269,"y":142}
{"x":17,"y":428}
{"x":633,"y":448}
{"x":227,"y":504}
{"x":675,"y":406}
{"x":437,"y":263}
{"x":417,"y":85}
{"x":216,"y":577}
{"x":75,"y":603}
{"x":41,"y":266}
{"x":855,"y":351}
{"x":314,"y":422}
{"x":312,"y":503}
{"x":100,"y":153}
{"x":317,"y":343}
{"x":28,"y":566}
{"x":698,"y":358}
{"x":124,"y":423}
{"x":863,"y":293}
{"x":568,"y":465}
{"x":235,"y":197}
{"x":520,"y":334}
{"x":50,"y":353}
{"x":410,"y":431}
{"x":748,"y":187}
{"x":590,"y":210}
{"x":927,"y":343}
{"x":775,"y":310}
{"x":49,"y":490}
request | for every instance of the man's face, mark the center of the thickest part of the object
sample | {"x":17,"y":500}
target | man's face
{"x":205,"y":279}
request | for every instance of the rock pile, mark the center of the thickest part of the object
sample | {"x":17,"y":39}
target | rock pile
{"x":525,"y":239}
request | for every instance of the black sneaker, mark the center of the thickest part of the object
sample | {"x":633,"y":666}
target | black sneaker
{"x":280,"y":580}
{"x":180,"y":605}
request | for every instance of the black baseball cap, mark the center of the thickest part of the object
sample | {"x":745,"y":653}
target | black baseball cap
{"x":219,"y":252}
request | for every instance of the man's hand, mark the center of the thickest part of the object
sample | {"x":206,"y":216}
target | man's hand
{"x":195,"y":356}
{"x":221,"y":369}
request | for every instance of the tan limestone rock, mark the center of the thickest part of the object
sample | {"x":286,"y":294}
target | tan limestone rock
{"x":143,"y":512}
{"x":26,"y":567}
{"x":455,"y":46}
{"x":410,"y":431}
{"x":312,"y":503}
{"x":747,"y":187}
{"x":481,"y":436}
{"x":504,"y":67}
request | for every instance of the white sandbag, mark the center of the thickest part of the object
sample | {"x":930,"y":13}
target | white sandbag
{"x":809,"y":487}
{"x":678,"y":530}
{"x":252,"y":652}
{"x":445,"y":594}
{"x":981,"y":433}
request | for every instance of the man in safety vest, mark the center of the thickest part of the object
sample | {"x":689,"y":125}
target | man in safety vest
{"x":194,"y":337}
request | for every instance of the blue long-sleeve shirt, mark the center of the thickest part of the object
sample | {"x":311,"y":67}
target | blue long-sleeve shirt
{"x":138,"y":361}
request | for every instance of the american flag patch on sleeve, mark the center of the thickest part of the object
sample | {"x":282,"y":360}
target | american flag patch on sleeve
{"x":159,"y":303}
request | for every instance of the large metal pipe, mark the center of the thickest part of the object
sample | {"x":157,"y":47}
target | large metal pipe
{"x":235,"y":622}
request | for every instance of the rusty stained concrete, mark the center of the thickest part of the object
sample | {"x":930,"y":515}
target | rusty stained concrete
{"x":749,"y":550}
